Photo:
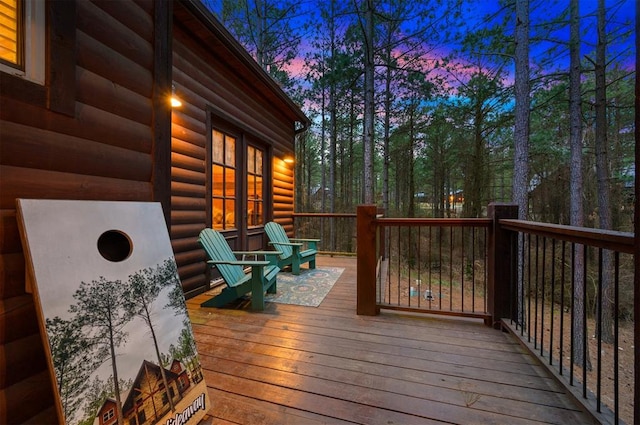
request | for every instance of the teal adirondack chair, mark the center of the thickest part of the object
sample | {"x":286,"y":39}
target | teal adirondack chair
{"x":292,"y":252}
{"x":261,"y":278}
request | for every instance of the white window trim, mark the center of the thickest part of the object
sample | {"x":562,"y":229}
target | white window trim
{"x":34,"y":44}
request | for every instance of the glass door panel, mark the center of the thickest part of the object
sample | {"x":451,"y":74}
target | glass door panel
{"x":255,"y":194}
{"x":223,"y":184}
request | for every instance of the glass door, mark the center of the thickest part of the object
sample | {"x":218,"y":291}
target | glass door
{"x":239,"y":181}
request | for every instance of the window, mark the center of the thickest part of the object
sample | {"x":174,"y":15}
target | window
{"x":223,"y":183}
{"x":255,"y":196}
{"x":22,"y":38}
{"x":107,"y":415}
{"x":11,"y":32}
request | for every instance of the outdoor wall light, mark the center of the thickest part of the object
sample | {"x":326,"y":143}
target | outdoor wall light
{"x":175,"y":101}
{"x":288,"y":159}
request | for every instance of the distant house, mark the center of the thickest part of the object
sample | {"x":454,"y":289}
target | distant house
{"x":184,"y":381}
{"x":548,"y":197}
{"x":107,"y":413}
{"x":87,"y":116}
{"x":147,"y":400}
{"x":628,"y":178}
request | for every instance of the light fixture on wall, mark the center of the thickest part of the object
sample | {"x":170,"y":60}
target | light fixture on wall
{"x":175,"y":101}
{"x":288,"y":159}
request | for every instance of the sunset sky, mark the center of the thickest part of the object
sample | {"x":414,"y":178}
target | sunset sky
{"x":479,"y":14}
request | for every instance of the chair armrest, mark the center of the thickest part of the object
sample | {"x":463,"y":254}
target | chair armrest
{"x":256,"y":252}
{"x":285,"y":243}
{"x":311,"y":243}
{"x":240,"y":263}
{"x":269,"y":256}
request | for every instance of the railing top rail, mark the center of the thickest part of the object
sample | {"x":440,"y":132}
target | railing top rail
{"x":435,"y":222}
{"x":303,"y":214}
{"x":606,"y":239}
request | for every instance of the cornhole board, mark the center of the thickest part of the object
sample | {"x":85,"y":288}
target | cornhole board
{"x":110,"y":303}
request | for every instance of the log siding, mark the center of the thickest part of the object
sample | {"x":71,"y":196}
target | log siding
{"x":101,"y":129}
{"x":86,"y":134}
{"x":216,"y":90}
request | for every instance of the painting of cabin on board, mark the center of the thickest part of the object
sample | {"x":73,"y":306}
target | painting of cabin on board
{"x":89,"y":118}
{"x":113,"y":313}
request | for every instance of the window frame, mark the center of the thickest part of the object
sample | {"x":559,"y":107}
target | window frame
{"x":242,"y":237}
{"x":31,"y":43}
{"x":228,"y":164}
{"x":108,"y":415}
{"x":59,"y":92}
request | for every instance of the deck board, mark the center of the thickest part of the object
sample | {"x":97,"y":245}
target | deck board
{"x":304,"y":365}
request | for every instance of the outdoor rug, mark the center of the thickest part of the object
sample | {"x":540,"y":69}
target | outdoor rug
{"x":308,"y":288}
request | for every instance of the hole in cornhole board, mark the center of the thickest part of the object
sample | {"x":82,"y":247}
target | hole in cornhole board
{"x":114,"y":246}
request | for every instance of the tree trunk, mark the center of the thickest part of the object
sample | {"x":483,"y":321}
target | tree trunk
{"x":521,"y":135}
{"x":351,"y":153}
{"x":159,"y":357}
{"x":116,"y":383}
{"x":521,"y":130}
{"x":636,"y":227}
{"x":411,"y":160}
{"x":333,"y":132}
{"x":605,"y":328}
{"x":387,"y":127}
{"x":369,"y":109}
{"x":323,"y":147}
{"x":576,"y":185}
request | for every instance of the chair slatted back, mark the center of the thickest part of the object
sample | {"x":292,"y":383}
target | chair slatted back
{"x":217,"y":248}
{"x":276,"y":233}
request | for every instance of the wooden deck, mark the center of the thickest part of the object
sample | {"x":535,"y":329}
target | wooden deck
{"x":305,"y":365}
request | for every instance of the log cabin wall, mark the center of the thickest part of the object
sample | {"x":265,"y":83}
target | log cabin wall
{"x":283,"y":195}
{"x":219,"y":84}
{"x":92,"y":131}
{"x":100,"y":128}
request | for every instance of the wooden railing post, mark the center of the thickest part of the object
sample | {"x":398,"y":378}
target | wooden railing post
{"x":366,"y":249}
{"x":382,"y":240}
{"x":502,"y":263}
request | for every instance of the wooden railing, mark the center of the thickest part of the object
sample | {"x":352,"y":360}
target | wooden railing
{"x":336,"y":231}
{"x":544,"y":283}
{"x":424,"y":265}
{"x":434,"y":266}
{"x":571,"y":305}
